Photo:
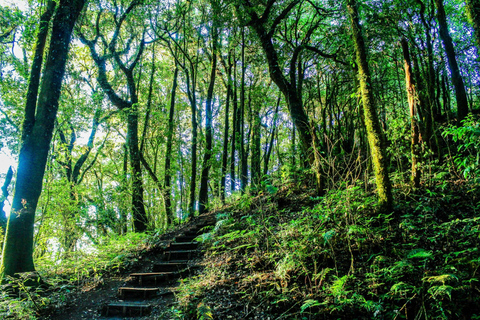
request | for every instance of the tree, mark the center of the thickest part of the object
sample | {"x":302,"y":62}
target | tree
{"x":203,"y":196}
{"x":129,"y":106}
{"x":460,"y":93}
{"x":413,"y":105}
{"x":265,"y":26}
{"x":40,"y":114}
{"x":376,"y":139}
{"x":168,"y":152}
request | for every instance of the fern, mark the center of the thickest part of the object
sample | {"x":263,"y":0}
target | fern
{"x":309,"y":304}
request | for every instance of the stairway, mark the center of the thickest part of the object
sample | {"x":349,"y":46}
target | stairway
{"x":144,"y":290}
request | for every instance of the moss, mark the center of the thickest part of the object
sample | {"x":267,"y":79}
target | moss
{"x":375,"y":137}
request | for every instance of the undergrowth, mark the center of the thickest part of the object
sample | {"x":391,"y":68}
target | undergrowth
{"x":58,"y":278}
{"x":290,"y":256}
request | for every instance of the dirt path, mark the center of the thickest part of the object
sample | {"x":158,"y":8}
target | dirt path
{"x":145,"y":291}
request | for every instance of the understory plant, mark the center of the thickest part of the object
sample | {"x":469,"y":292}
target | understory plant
{"x":340,"y":256}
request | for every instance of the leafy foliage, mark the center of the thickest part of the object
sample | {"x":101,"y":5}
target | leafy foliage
{"x":342,"y":257}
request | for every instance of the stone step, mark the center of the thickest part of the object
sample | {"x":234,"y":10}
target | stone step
{"x":186,"y":238}
{"x":170,"y":266}
{"x":183,"y":246}
{"x":134,"y":292}
{"x":154,"y":277}
{"x":179,"y":254}
{"x":131,"y":309}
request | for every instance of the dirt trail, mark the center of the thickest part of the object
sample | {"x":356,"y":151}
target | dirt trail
{"x":146,"y":290}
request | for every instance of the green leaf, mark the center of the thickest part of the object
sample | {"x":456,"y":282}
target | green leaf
{"x":419,"y":254}
{"x":308,"y":304}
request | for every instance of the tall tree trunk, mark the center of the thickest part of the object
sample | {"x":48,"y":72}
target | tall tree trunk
{"x":375,"y":136}
{"x":255,"y":159}
{"x":18,"y":247}
{"x":413,"y":105}
{"x":203,"y":196}
{"x":193,"y":107}
{"x":122,"y":212}
{"x":149,"y":102}
{"x":243,"y":153}
{"x":168,"y":153}
{"x":138,"y":207}
{"x":268,"y":152}
{"x":460,"y":93}
{"x":235,"y":128}
{"x":227,"y":127}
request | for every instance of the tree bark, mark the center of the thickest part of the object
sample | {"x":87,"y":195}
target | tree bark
{"x":18,"y":247}
{"x":375,"y":136}
{"x":255,"y":165}
{"x":168,"y":152}
{"x":243,"y":154}
{"x":460,"y":93}
{"x":203,"y":196}
{"x":413,"y":105}
{"x":235,"y":128}
{"x":193,"y":108}
{"x":268,"y":152}
{"x":226,"y":130}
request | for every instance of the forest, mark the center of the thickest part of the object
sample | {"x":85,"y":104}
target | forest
{"x":337,"y":143}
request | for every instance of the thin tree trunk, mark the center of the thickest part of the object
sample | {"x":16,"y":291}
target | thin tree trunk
{"x":243,"y":154}
{"x":149,"y":103}
{"x":227,"y":127}
{"x":235,"y":128}
{"x":268,"y":153}
{"x":203,"y":196}
{"x":18,"y":247}
{"x":413,"y":105}
{"x":168,"y":153}
{"x":122,"y":212}
{"x":375,"y":136}
{"x":193,"y":107}
{"x":255,"y":159}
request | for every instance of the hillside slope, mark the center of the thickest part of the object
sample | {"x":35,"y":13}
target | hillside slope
{"x":288,"y":255}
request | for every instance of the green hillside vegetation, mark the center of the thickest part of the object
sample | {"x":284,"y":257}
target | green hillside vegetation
{"x":290,"y":255}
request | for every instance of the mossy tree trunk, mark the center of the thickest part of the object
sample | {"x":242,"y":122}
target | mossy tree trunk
{"x":413,"y":106}
{"x":40,"y":115}
{"x":375,"y":135}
